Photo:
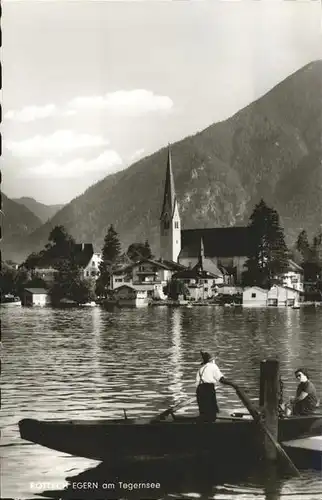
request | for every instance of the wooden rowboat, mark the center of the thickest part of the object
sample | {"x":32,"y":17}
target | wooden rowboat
{"x":121,"y":439}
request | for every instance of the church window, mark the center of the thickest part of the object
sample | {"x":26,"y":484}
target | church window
{"x":166,"y":224}
{"x":176,"y":225}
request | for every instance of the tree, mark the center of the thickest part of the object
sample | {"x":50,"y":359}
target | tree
{"x":111,"y":255}
{"x":302,"y":245}
{"x":311,"y":256}
{"x":268,"y":253}
{"x":33,"y":260}
{"x":175,"y":288}
{"x":7,"y":279}
{"x":60,"y":245}
{"x":68,"y":284}
{"x":139,"y":251}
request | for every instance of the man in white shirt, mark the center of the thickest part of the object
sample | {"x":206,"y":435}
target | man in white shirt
{"x":207,"y":378}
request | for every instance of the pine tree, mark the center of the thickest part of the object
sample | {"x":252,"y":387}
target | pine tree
{"x":302,"y":245}
{"x":268,"y":256}
{"x":111,"y":255}
{"x":311,"y":256}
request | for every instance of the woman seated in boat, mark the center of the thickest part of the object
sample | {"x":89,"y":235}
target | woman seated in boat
{"x":305,"y":401}
{"x":207,"y":378}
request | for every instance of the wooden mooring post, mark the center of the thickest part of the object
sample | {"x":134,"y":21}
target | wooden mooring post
{"x":268,"y":400}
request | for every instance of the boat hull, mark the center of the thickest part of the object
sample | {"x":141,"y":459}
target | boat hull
{"x":130,"y":438}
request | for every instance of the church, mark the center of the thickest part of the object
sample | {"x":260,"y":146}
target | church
{"x":215,"y":250}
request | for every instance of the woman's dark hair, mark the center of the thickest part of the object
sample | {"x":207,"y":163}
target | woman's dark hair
{"x":302,"y":370}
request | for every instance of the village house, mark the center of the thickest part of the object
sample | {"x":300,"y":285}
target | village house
{"x":35,"y":297}
{"x":203,"y":278}
{"x":293,"y":277}
{"x":200,"y":284}
{"x":152,"y":274}
{"x":85,"y":257}
{"x":88,"y":260}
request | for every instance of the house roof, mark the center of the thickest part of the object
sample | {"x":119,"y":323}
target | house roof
{"x":217,"y":242}
{"x":284,"y":287}
{"x":83,"y":253}
{"x":167,"y":265}
{"x":36,"y":290}
{"x":171,"y":265}
{"x":137,"y":288}
{"x":255,"y":288}
{"x":292,"y":266}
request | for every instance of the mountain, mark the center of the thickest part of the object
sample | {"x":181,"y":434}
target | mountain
{"x":42,"y":211}
{"x":17,"y":222}
{"x":270,"y":149}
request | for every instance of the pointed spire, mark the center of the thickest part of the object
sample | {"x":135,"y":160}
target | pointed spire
{"x":169,"y":190}
{"x":201,"y":254}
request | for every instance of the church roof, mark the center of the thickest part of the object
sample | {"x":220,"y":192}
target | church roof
{"x":293,"y":266}
{"x":217,"y":242}
{"x":194,"y":273}
{"x":169,"y":199}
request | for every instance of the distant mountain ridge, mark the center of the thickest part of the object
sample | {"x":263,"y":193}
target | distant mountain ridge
{"x":42,"y":211}
{"x":271,"y":149}
{"x":17,"y":221}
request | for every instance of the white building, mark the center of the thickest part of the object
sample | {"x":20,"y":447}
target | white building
{"x":293,"y":277}
{"x":282,"y":296}
{"x":35,"y":297}
{"x":254,"y":296}
{"x":91,"y":269}
{"x":152,"y":274}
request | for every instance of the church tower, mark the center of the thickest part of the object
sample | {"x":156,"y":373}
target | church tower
{"x":170,"y":224}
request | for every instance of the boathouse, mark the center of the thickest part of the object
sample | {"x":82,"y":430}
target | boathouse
{"x":35,"y":297}
{"x":282,"y":296}
{"x":254,"y":296}
{"x":132,"y":295}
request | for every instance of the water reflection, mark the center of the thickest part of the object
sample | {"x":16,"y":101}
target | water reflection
{"x":189,"y":479}
{"x":175,"y":366}
{"x":92,"y":363}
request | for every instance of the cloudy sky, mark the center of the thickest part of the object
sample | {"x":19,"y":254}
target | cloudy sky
{"x":90,"y":87}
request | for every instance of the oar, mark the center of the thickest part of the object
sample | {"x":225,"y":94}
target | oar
{"x":256,"y":416}
{"x":172,"y":409}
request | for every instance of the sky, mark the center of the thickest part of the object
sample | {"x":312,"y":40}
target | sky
{"x":90,"y":87}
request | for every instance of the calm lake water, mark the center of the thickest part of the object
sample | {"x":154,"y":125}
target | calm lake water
{"x":91,"y":363}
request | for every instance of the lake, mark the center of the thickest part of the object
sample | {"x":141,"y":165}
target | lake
{"x":92,"y":363}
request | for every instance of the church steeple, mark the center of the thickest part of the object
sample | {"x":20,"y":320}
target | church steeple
{"x":169,"y":198}
{"x":201,"y":254}
{"x":170,"y":224}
